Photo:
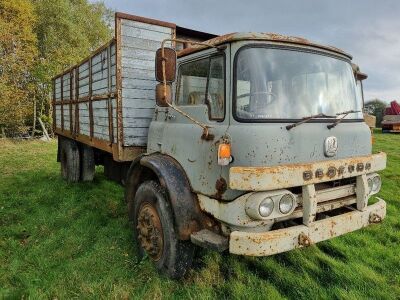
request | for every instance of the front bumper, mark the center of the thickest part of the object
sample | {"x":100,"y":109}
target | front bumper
{"x":282,"y":240}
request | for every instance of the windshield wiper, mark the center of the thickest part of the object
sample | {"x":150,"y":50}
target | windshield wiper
{"x":306,"y":119}
{"x":345,"y":113}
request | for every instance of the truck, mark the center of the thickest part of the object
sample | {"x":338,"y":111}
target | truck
{"x":251,"y":143}
{"x":391,"y":118}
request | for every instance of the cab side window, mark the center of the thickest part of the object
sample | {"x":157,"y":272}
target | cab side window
{"x":216,"y":88}
{"x":202,"y":82}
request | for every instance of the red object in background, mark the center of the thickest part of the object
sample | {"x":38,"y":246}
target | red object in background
{"x":393,"y":109}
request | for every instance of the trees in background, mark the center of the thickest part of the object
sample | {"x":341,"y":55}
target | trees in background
{"x":39,"y":39}
{"x":376,"y":108}
{"x":18,"y":54}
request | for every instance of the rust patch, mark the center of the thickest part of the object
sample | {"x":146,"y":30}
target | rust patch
{"x":220,"y":186}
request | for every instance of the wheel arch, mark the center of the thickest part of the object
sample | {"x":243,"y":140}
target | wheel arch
{"x":188,"y":217}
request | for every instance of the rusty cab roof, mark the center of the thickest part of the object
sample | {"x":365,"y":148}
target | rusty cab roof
{"x":270,"y":37}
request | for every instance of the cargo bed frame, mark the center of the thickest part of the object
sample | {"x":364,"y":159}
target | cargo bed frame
{"x":78,"y":95}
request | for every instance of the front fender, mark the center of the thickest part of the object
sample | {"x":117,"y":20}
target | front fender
{"x":187,"y":215}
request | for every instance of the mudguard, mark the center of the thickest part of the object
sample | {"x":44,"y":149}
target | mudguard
{"x":187,"y":215}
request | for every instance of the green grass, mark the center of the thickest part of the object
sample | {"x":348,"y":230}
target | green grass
{"x":60,"y":240}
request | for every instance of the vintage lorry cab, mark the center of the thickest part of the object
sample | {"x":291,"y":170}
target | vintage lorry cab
{"x":257,"y":145}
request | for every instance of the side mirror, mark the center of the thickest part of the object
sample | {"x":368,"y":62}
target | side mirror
{"x":361,"y":76}
{"x":170,"y":65}
{"x":163,"y":95}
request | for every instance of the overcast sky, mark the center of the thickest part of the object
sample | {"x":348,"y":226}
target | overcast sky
{"x":367,"y":29}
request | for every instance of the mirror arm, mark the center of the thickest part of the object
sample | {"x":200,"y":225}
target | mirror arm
{"x":206,"y":132}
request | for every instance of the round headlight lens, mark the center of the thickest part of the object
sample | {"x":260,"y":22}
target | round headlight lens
{"x":286,"y":203}
{"x":370,"y":184}
{"x":376,"y":184}
{"x":266,"y":207}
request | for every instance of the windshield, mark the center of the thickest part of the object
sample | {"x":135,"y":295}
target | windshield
{"x":283,"y":83}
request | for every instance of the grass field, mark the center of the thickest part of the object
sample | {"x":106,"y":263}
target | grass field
{"x":60,"y":240}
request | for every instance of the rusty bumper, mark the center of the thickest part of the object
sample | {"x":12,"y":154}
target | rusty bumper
{"x":282,"y":240}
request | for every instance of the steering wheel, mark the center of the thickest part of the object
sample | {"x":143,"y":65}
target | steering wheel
{"x":258,"y":93}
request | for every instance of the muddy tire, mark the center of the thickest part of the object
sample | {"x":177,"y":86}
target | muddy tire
{"x":87,"y":163}
{"x":69,"y":159}
{"x":154,"y":233}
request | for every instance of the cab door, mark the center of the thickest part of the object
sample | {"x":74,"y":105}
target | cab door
{"x":201,"y":93}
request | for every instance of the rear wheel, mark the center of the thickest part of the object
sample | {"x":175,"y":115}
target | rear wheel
{"x":153,"y":230}
{"x":88,"y":166}
{"x":69,"y":158}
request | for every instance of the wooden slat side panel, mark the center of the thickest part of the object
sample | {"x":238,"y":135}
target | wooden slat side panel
{"x":139,"y":43}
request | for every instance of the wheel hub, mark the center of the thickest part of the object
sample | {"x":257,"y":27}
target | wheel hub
{"x":150,"y":233}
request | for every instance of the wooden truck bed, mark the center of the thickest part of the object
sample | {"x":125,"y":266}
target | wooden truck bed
{"x":107,"y":100}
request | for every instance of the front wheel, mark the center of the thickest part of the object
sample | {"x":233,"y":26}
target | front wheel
{"x":154,"y":233}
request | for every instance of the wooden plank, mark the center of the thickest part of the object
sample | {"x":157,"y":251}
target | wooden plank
{"x":136,"y":131}
{"x":142,"y":25}
{"x":139,"y":103}
{"x":138,"y":94}
{"x":137,"y":122}
{"x":83,"y":82}
{"x":134,"y":140}
{"x":100,"y":76}
{"x":139,"y":43}
{"x":129,"y":31}
{"x":143,"y":84}
{"x":84,"y":74}
{"x":100,"y":57}
{"x":139,"y":53}
{"x":100,"y":82}
{"x":139,"y":64}
{"x":135,"y":73}
{"x":100,"y":85}
{"x":100,"y":104}
{"x":100,"y":67}
{"x":138,"y":113}
{"x":100,"y":91}
{"x":84,"y":66}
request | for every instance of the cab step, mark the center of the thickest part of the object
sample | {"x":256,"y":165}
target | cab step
{"x":210,"y":240}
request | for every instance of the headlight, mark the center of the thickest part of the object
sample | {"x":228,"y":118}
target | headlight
{"x":270,"y":205}
{"x":286,"y":203}
{"x":370,"y":184}
{"x":266,"y":207}
{"x":376,"y":184}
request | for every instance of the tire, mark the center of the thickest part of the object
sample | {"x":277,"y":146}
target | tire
{"x":88,"y":165}
{"x":69,"y":159}
{"x":170,"y":255}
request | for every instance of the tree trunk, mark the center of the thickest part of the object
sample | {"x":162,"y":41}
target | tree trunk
{"x":34,"y":117}
{"x":3,"y":133}
{"x":44,"y":129}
